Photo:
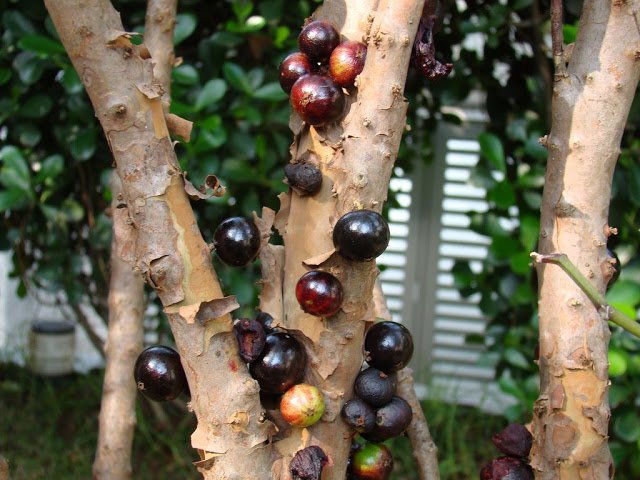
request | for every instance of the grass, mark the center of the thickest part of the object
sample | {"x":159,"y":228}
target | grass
{"x":48,"y":429}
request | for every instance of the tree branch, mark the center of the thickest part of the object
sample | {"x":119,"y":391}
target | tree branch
{"x":557,"y":37}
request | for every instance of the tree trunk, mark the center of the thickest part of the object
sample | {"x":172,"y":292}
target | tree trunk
{"x":591,"y":101}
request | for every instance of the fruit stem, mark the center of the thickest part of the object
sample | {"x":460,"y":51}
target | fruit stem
{"x":606,"y":311}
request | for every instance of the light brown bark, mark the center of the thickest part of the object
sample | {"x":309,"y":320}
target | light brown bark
{"x":356,"y":157}
{"x":590,"y":107}
{"x":124,"y":343}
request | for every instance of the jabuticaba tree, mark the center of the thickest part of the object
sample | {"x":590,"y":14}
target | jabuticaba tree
{"x":355,"y":152}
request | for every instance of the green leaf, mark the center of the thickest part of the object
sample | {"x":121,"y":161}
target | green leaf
{"x":72,"y":210}
{"x":51,"y":167}
{"x":83,"y":146}
{"x":28,"y":134}
{"x":71,"y":82}
{"x":17,"y":24}
{"x":185,"y":75}
{"x":185,"y":25}
{"x":29,"y":67}
{"x":36,"y":107}
{"x":516,"y":358}
{"x":237,"y":77}
{"x":627,"y":426}
{"x":502,"y":195}
{"x":211,"y":134}
{"x":211,"y":93}
{"x":242,"y":9}
{"x":15,"y":173}
{"x":271,"y":91}
{"x":569,"y":33}
{"x":529,"y":230}
{"x":520,"y":263}
{"x":40,"y":44}
{"x":624,"y":295}
{"x":11,"y":198}
{"x":618,"y":362}
{"x":491,"y":149}
{"x":5,"y":75}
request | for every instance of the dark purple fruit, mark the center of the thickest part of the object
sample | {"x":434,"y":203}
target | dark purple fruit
{"x":294,"y":66}
{"x":372,"y":462}
{"x":251,"y":338}
{"x":158,"y":373}
{"x":317,"y":99}
{"x":515,"y":440}
{"x":388,"y":346}
{"x":391,"y":420}
{"x":266,"y":320}
{"x":346,"y":62}
{"x":307,"y":464}
{"x":361,"y":235}
{"x":319,"y":293}
{"x":375,"y":387}
{"x":270,"y":401}
{"x":237,"y":241}
{"x":304,"y":178}
{"x":317,"y":40}
{"x":358,"y":415}
{"x":506,"y":468}
{"x":281,"y":364}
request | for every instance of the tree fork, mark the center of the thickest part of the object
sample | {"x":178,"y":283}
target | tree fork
{"x":592,"y":95}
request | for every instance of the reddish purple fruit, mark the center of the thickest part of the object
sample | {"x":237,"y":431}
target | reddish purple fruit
{"x":346,"y":62}
{"x":158,"y":373}
{"x":317,"y":99}
{"x":361,"y":235}
{"x":281,"y":364}
{"x":251,"y":338}
{"x":319,"y":293}
{"x":294,"y":66}
{"x":506,"y":468}
{"x":372,"y":462}
{"x":236,"y":241}
{"x":391,"y":420}
{"x":358,"y":415}
{"x":375,"y":387}
{"x":317,"y":40}
{"x":388,"y":346}
{"x":515,"y":440}
{"x":302,"y":405}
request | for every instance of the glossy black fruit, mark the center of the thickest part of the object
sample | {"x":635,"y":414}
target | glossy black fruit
{"x":319,"y":293}
{"x":346,"y":62}
{"x":388,"y":346}
{"x":361,"y":235}
{"x":237,"y":241}
{"x":317,"y":99}
{"x":158,"y":373}
{"x":506,"y":468}
{"x":281,"y":364}
{"x":372,"y":462}
{"x":317,"y":40}
{"x":391,"y":420}
{"x":375,"y":387}
{"x":294,"y":66}
{"x":304,"y":178}
{"x":515,"y":440}
{"x":358,"y":415}
{"x":266,"y":320}
{"x":251,"y":338}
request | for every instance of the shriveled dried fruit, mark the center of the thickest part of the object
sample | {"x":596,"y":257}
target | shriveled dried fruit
{"x":304,"y":178}
{"x":251,"y":338}
{"x":506,"y":468}
{"x":307,"y":464}
{"x":514,"y":440}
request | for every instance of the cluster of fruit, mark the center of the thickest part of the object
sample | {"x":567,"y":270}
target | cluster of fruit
{"x":315,"y":76}
{"x":376,"y":413}
{"x":515,"y":442}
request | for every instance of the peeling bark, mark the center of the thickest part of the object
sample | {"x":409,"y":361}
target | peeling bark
{"x":591,"y":101}
{"x":356,"y":157}
{"x":124,"y":343}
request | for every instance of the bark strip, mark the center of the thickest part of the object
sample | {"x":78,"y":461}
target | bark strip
{"x":590,"y":107}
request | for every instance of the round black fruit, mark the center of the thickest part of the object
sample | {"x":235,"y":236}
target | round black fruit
{"x":317,"y":99}
{"x":317,"y":40}
{"x":361,"y":235}
{"x":391,"y":420}
{"x":237,"y":241}
{"x":375,"y":387}
{"x":359,"y":415}
{"x":281,"y":364}
{"x":304,"y":178}
{"x":388,"y":346}
{"x":294,"y":66}
{"x":158,"y":373}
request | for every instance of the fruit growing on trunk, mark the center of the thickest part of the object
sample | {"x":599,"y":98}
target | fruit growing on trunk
{"x":251,"y":338}
{"x":294,"y":66}
{"x":388,"y":346}
{"x":372,"y":462}
{"x":391,"y":420}
{"x":302,"y":405}
{"x":304,"y":178}
{"x":361,"y":235}
{"x":375,"y":387}
{"x":346,"y":62}
{"x":158,"y":373}
{"x":506,"y":468}
{"x":317,"y":99}
{"x":515,"y":440}
{"x":281,"y":364}
{"x":318,"y":39}
{"x":236,"y":241}
{"x":359,"y":415}
{"x":319,"y":293}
